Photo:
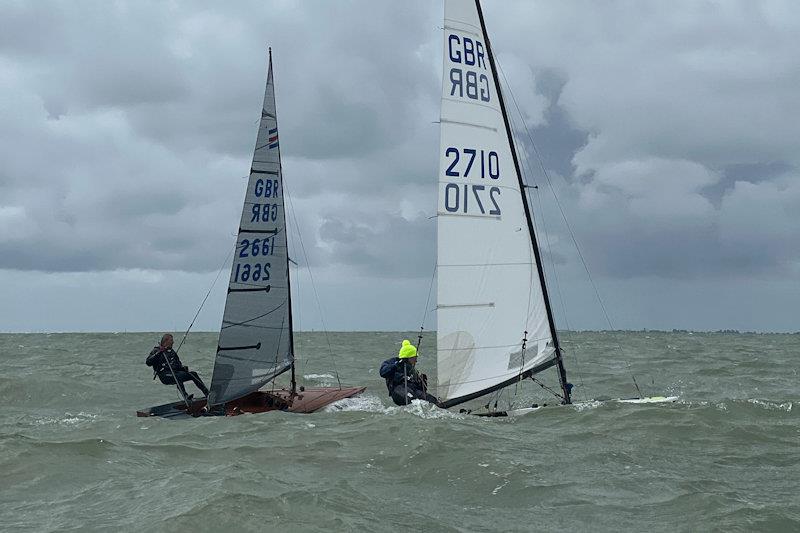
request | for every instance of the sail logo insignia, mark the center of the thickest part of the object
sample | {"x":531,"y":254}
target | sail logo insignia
{"x":273,"y":138}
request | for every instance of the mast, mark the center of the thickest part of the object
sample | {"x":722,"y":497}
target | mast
{"x":562,"y":374}
{"x":288,"y":270}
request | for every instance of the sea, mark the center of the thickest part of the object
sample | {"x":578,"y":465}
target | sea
{"x":725,"y":456}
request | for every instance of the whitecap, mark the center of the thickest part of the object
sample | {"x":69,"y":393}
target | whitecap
{"x":499,"y":487}
{"x":324,"y":380}
{"x":369,"y":404}
{"x":591,"y":404}
{"x":372,"y":404}
{"x":318,"y":376}
{"x":426,"y":410}
{"x":785,"y":406}
{"x":68,"y":419}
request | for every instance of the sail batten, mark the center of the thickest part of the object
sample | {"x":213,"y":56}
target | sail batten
{"x":255,"y":340}
{"x":482,"y":348}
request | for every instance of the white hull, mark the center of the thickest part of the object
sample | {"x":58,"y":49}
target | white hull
{"x":528,"y":410}
{"x":650,"y":399}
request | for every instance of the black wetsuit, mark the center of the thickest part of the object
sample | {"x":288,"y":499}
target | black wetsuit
{"x":404,"y":382}
{"x":161,"y":360}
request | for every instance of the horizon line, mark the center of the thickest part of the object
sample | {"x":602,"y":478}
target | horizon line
{"x":622,"y":330}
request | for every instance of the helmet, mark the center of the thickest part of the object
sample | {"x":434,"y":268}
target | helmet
{"x":407,"y":350}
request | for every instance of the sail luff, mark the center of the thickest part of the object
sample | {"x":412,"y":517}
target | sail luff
{"x":562,"y":375}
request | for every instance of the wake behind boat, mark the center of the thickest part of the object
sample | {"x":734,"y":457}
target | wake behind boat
{"x":256,"y":340}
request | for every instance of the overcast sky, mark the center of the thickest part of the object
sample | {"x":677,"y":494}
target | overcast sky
{"x":670,"y":132}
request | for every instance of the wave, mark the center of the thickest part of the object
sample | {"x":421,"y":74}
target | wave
{"x":372,"y":404}
{"x":67,"y":420}
{"x":318,"y":376}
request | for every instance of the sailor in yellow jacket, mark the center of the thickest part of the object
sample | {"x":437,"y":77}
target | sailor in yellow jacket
{"x":403,"y":380}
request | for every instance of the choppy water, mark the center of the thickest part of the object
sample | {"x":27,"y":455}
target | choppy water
{"x":726,"y":457}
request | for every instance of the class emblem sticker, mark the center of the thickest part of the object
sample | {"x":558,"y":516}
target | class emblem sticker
{"x":273,"y":138}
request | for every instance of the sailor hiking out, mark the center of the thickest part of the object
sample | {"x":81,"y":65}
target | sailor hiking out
{"x":402,"y":379}
{"x":169,"y":369}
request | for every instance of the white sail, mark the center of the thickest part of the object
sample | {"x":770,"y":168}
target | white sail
{"x":489,"y":293}
{"x":255,"y":342}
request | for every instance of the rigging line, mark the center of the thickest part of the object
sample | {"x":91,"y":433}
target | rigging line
{"x":230,"y":252}
{"x":524,"y":169}
{"x":296,"y":315}
{"x":523,"y":164}
{"x":569,"y":228}
{"x":278,"y":344}
{"x":542,"y":385}
{"x":495,"y":396}
{"x":522,"y":355}
{"x":556,"y":281}
{"x":313,"y":285}
{"x":553,"y":269}
{"x":512,"y":401}
{"x":427,"y":303}
{"x":560,"y":293}
{"x":177,"y":383}
{"x":527,"y":171}
{"x":299,"y":298}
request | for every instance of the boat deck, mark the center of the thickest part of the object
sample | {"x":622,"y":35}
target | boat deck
{"x":303,"y":401}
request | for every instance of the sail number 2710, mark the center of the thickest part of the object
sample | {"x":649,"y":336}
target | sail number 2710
{"x":469,"y":198}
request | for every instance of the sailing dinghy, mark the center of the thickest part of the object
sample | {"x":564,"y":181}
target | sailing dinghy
{"x":256,"y":341}
{"x":494,"y":319}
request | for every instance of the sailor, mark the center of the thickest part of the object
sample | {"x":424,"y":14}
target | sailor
{"x":169,"y":368}
{"x":403,"y":380}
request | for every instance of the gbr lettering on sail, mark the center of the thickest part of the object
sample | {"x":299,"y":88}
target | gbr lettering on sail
{"x":471,"y":165}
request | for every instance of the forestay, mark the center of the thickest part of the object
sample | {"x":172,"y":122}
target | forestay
{"x":255,"y":342}
{"x":489,"y":290}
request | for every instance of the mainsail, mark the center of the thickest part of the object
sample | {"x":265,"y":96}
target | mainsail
{"x":494,"y":320}
{"x":255,"y":342}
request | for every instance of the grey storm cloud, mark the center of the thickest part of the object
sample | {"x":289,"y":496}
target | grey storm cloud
{"x":668,"y":131}
{"x":147,"y":113}
{"x":388,"y":246}
{"x":680,"y":123}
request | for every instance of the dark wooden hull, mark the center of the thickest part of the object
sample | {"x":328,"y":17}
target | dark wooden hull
{"x":306,"y":401}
